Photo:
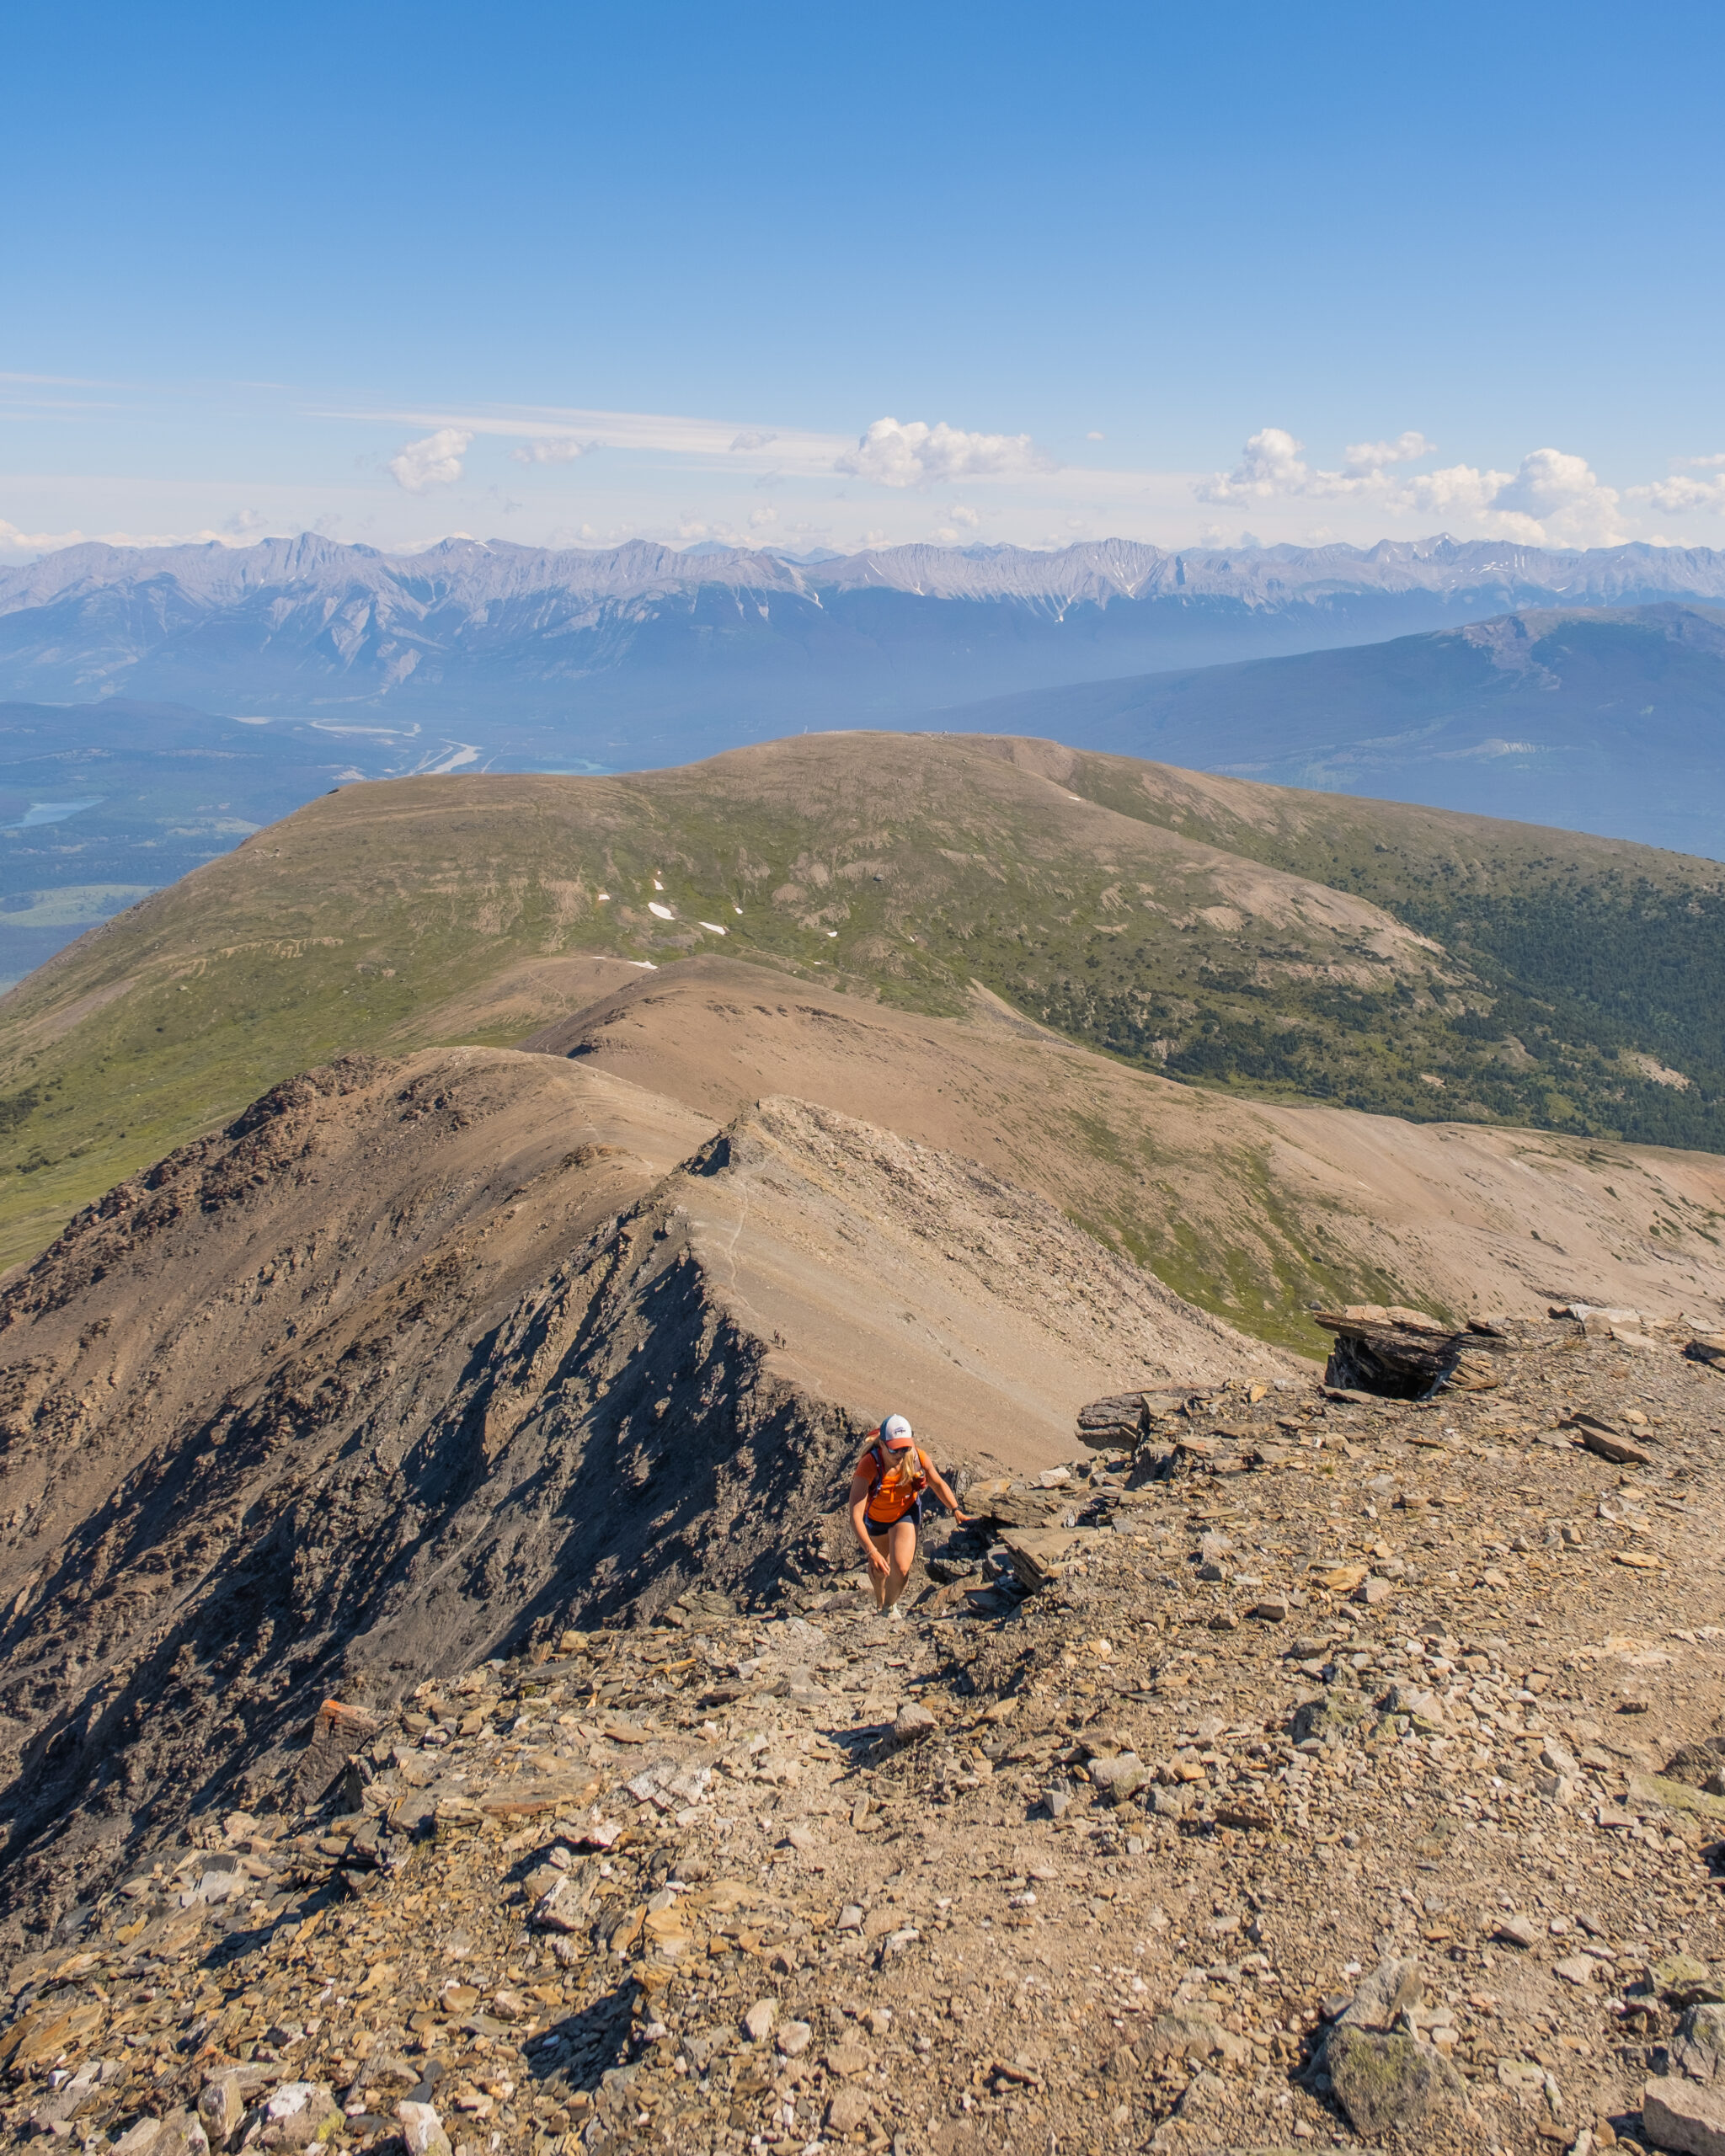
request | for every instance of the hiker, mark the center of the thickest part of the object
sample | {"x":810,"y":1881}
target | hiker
{"x":886,"y":1507}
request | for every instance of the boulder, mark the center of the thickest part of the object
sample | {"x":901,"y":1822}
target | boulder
{"x":1114,"y":1423}
{"x":384,"y":2076}
{"x":422,"y":2130}
{"x":1685,"y":2116}
{"x":1685,"y":1981}
{"x":1390,"y":2083}
{"x":1114,"y":1780}
{"x":300,"y":2114}
{"x":337,"y":1732}
{"x":1186,"y":2034}
{"x":1339,"y":1712}
{"x":221,"y":2108}
{"x":850,"y":2109}
{"x":1607,"y":1442}
{"x":1698,"y":2044}
{"x":1403,"y":1355}
{"x":1697,"y":1765}
{"x":181,"y":2133}
{"x":566,"y":1907}
{"x":1391,"y":1990}
{"x":1423,"y":1708}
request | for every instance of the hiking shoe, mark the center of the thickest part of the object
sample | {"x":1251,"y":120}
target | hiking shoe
{"x":896,"y":1613}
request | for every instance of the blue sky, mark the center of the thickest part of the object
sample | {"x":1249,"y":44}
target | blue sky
{"x":808,"y":277}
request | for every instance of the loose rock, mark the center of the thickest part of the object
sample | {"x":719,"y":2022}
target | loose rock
{"x":1683,"y":2115}
{"x":1391,"y":2083}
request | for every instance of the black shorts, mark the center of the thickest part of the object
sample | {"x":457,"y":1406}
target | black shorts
{"x":915,"y":1516}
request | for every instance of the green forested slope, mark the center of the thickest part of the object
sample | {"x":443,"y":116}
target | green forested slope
{"x":1586,"y":956}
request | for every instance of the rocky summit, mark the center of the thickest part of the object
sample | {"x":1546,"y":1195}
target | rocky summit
{"x":1288,"y":1766}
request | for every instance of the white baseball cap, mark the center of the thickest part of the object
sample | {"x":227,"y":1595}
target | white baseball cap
{"x":896,"y":1431}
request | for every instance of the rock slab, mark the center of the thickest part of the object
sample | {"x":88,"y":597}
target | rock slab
{"x":1392,"y":2084}
{"x":1683,"y":2115}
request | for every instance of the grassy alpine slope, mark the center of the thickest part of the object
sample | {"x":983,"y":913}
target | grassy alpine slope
{"x":1595,"y":966}
{"x":1245,"y":936}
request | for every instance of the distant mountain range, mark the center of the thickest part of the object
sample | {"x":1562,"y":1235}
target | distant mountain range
{"x":338,"y":665}
{"x":1609,"y":720}
{"x":640,"y":654}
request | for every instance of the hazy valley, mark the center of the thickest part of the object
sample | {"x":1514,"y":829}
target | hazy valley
{"x":643,"y":654}
{"x":1604,"y":720}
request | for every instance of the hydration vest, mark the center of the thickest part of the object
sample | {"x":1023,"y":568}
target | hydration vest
{"x":899,"y":1482}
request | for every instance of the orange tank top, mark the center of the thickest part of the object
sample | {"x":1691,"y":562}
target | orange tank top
{"x":898,"y":1483}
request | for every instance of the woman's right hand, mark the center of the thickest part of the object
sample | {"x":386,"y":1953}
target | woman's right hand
{"x":877,"y":1563}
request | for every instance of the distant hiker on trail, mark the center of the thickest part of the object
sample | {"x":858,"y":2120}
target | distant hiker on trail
{"x":886,"y":1505}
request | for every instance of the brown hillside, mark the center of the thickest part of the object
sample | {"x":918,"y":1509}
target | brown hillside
{"x":1245,"y":1207}
{"x":1135,"y":906}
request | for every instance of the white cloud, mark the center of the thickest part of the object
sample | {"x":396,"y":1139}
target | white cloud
{"x":549,"y":449}
{"x":653,"y":432}
{"x":759,"y":518}
{"x":913,"y":454}
{"x":1551,"y":498}
{"x":1271,"y":469}
{"x":1268,"y":465}
{"x":1372,"y":455}
{"x":29,"y":544}
{"x":435,"y":461}
{"x":1095,"y":437}
{"x":14,"y":541}
{"x":1561,"y":495}
{"x":961,"y":522}
{"x":1458,"y":490}
{"x":1674,"y":495}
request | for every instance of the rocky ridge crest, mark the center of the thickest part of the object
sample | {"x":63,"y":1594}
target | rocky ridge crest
{"x":1349,"y":1774}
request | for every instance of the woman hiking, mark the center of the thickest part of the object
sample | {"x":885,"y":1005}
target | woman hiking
{"x":886,"y":1505}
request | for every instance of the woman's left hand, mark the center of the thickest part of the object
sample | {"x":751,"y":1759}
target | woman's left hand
{"x":963,"y":1520}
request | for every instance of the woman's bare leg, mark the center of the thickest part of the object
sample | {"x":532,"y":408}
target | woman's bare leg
{"x":901,"y":1551}
{"x":878,"y":1581}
